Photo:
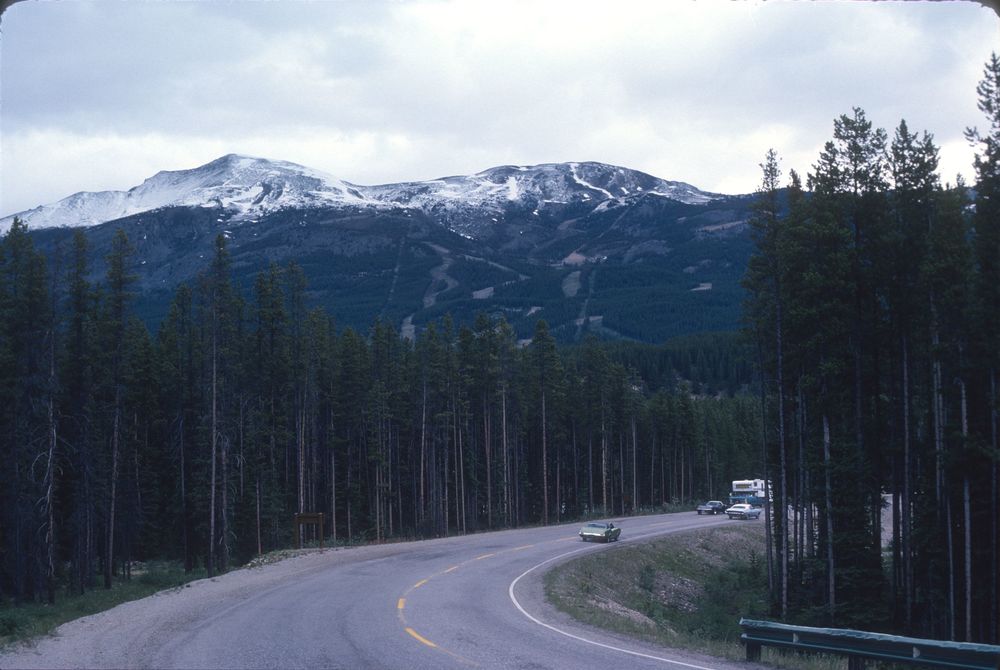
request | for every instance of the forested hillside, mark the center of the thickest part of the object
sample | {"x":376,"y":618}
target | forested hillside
{"x":200,"y":442}
{"x":875,"y":305}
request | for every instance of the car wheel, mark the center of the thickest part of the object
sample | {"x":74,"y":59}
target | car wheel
{"x":699,"y":512}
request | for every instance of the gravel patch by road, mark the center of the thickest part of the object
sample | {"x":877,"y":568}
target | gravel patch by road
{"x":102,"y":640}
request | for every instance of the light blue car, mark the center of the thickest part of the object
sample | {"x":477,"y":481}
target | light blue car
{"x":743,"y":511}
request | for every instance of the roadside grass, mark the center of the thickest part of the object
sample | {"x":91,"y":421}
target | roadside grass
{"x":22,"y":622}
{"x":685,"y":591}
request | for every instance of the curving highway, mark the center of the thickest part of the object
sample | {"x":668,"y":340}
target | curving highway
{"x":461,"y":602}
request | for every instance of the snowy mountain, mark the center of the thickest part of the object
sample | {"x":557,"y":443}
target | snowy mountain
{"x":244,"y":188}
{"x":589,"y":247}
{"x":241,"y":185}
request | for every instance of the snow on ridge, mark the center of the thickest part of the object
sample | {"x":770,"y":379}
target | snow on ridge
{"x":248,"y":187}
{"x":576,"y":178}
{"x":242,"y":185}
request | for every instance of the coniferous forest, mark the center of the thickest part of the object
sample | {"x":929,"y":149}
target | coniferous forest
{"x":201,"y":442}
{"x":866,"y":378}
{"x":874,"y":301}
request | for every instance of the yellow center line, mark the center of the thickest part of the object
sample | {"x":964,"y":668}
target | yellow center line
{"x":479,"y":558}
{"x":420,"y":583}
{"x":401,"y":604}
{"x":417,"y":636}
{"x":526,"y":546}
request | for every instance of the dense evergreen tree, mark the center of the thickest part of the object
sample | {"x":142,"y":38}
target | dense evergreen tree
{"x":870,"y":298}
{"x":986,"y":241}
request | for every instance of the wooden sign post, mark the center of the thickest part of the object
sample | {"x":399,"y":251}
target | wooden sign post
{"x":309,"y":519}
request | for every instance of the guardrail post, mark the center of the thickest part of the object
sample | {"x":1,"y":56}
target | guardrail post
{"x":753,"y":651}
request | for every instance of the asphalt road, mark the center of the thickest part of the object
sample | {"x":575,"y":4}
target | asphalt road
{"x":461,"y":602}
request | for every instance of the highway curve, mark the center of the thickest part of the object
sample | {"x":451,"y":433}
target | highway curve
{"x":460,"y":602}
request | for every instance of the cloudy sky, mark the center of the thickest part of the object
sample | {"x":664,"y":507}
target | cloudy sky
{"x":100,"y":95}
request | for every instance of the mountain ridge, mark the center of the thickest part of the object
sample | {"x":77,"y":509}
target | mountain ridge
{"x":589,"y":247}
{"x":246,"y":187}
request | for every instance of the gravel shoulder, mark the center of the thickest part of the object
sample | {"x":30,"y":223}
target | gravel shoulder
{"x":129,"y":630}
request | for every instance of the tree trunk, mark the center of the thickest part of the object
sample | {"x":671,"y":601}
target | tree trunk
{"x":115,"y":431}
{"x":951,"y":570}
{"x":489,"y":463}
{"x":545,"y":465}
{"x":260,"y":547}
{"x":782,"y":458}
{"x":224,"y":517}
{"x":300,"y":440}
{"x":621,"y":471}
{"x":604,"y":465}
{"x":830,"y":572}
{"x":333,"y":497}
{"x":905,"y":508}
{"x":994,"y":624}
{"x":460,"y":464}
{"x":214,"y":439}
{"x":767,"y":477}
{"x":423,"y":450}
{"x":50,"y":484}
{"x":635,"y":470}
{"x":967,"y":519}
{"x":506,"y":461}
{"x":938,"y":409}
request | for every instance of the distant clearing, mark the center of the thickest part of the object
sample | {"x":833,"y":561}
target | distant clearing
{"x":571,"y":284}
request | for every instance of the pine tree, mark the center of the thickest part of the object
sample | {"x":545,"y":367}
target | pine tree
{"x":115,"y":324}
{"x":987,"y":254}
{"x":546,"y":384}
{"x":78,"y":414}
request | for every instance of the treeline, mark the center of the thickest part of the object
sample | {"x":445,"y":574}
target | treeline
{"x":200,"y":442}
{"x":874,"y":299}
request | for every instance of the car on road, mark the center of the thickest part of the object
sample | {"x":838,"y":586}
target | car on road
{"x":712,"y":507}
{"x":598,"y":531}
{"x":743,"y":511}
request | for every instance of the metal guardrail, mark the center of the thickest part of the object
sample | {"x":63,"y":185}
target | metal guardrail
{"x":860,"y":647}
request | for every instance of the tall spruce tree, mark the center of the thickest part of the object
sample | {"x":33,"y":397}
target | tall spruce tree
{"x":987,"y":254}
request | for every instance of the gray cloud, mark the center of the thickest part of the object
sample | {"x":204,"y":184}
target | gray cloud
{"x":101,"y":95}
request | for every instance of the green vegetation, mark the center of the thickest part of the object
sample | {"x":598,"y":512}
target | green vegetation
{"x":686,"y":591}
{"x":34,"y":619}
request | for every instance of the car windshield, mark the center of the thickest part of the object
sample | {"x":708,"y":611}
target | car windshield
{"x":595,"y":525}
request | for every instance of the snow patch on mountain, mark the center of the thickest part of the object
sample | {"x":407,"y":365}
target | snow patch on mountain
{"x":576,"y":178}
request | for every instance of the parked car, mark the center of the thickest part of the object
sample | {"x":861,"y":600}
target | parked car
{"x":743,"y":511}
{"x":712,"y":507}
{"x":600,"y":531}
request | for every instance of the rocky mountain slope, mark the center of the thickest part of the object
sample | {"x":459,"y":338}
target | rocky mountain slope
{"x":588,"y":246}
